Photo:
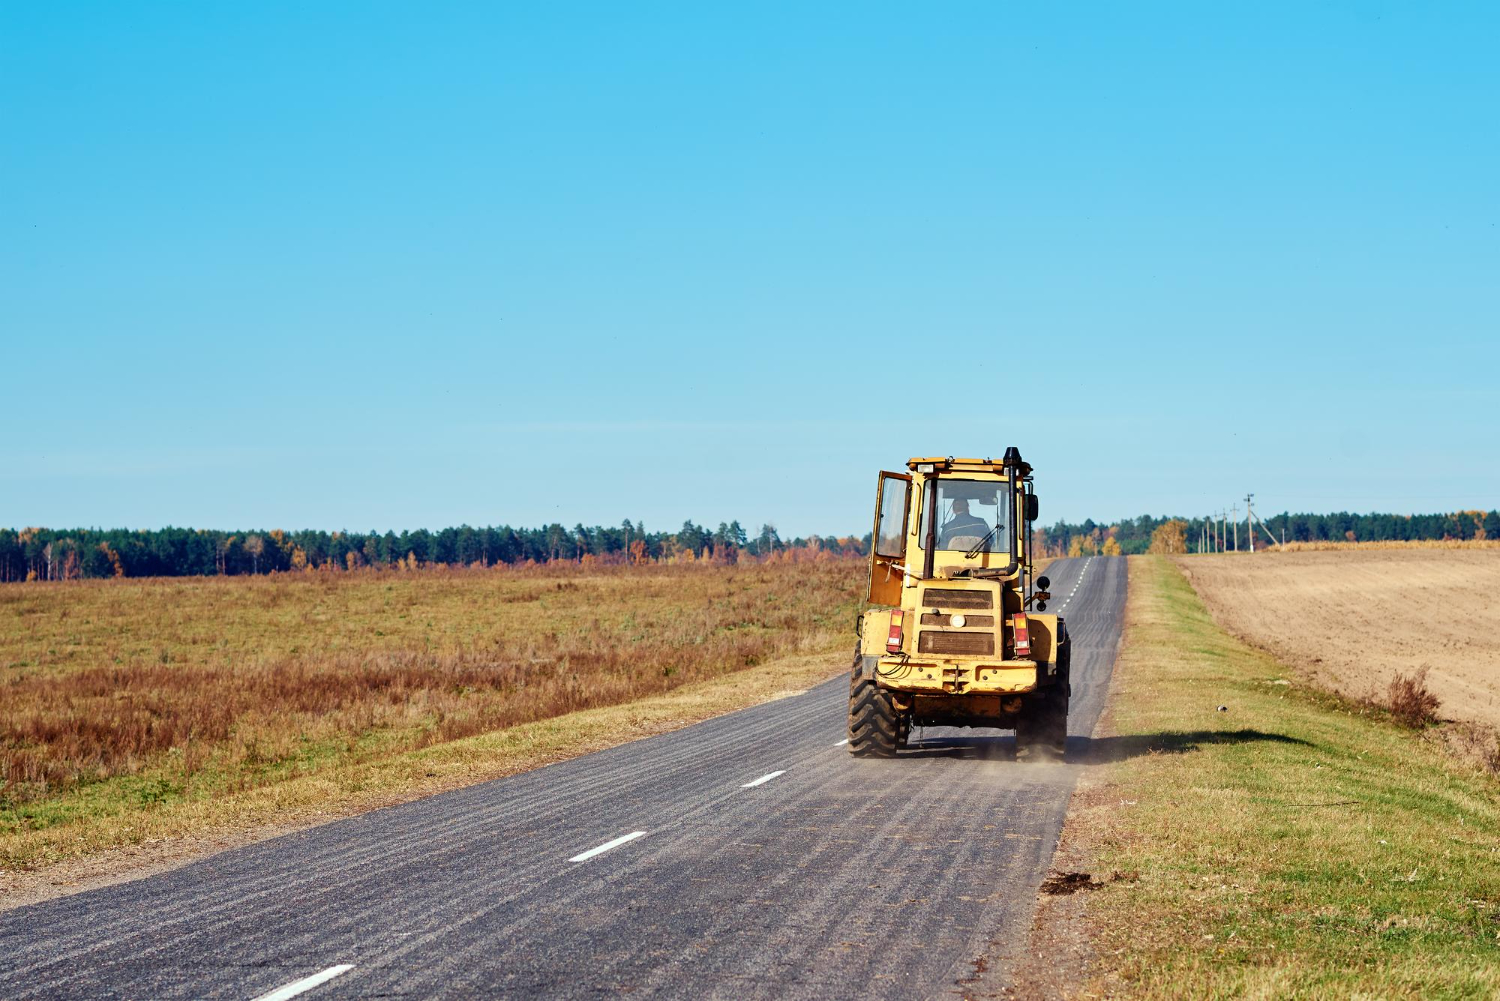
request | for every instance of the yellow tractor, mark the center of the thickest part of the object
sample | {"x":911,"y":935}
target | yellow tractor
{"x":953,"y":634}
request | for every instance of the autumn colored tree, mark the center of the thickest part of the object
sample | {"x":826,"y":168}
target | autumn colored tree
{"x":1111,"y":546}
{"x":1169,"y":537}
{"x":114,"y":559}
{"x":256,"y":547}
{"x":222,"y":545}
{"x":33,"y":542}
{"x":72,"y":566}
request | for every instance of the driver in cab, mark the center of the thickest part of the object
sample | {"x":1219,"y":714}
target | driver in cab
{"x":962,"y":524}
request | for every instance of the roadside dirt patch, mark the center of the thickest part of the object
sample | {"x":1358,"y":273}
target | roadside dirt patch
{"x":1352,"y":620}
{"x":1059,"y":884}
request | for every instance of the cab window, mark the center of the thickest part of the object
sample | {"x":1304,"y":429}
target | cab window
{"x":890,"y":533}
{"x":971,"y":514}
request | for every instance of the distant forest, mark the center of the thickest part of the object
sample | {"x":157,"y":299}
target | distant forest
{"x":1134,"y":535}
{"x":71,"y":554}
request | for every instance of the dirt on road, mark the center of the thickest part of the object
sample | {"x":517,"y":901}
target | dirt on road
{"x":1351,"y":620}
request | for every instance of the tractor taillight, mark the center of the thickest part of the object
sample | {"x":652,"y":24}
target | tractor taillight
{"x":893,"y":641}
{"x":1023,"y":635}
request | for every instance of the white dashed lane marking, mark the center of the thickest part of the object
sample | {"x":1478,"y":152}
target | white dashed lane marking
{"x":763,"y":779}
{"x":617,"y":842}
{"x":1076,"y":584}
{"x":306,"y":983}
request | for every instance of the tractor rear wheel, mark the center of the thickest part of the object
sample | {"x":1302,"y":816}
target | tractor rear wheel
{"x":875,"y":727}
{"x":1042,"y":730}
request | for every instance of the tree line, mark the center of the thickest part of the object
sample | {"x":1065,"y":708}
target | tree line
{"x":77,"y":553}
{"x":1134,"y":535}
{"x":70,"y":554}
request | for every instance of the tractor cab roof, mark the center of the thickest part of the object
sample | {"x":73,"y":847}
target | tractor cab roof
{"x":949,"y":464}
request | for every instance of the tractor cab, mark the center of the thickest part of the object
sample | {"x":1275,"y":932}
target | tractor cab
{"x":953,"y":519}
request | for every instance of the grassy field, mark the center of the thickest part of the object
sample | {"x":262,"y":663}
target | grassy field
{"x":1293,"y":845}
{"x":138,"y":710}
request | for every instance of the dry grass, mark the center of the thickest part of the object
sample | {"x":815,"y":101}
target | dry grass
{"x":123,"y":698}
{"x":1474,"y":743}
{"x":1410,"y":702}
{"x":1295,"y":846}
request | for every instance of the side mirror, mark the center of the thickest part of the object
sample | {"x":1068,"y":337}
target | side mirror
{"x":1031,"y":507}
{"x":1043,"y":584}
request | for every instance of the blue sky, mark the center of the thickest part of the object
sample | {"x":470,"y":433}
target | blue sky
{"x":359,"y":265}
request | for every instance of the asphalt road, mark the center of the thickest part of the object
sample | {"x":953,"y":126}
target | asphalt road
{"x":835,"y":878}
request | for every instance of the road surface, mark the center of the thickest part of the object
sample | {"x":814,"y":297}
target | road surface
{"x":746,"y":856}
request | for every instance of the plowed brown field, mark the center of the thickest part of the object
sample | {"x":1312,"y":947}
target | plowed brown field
{"x":1351,"y":620}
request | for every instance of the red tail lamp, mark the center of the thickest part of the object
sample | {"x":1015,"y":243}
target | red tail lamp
{"x":1023,"y":635}
{"x":893,"y":641}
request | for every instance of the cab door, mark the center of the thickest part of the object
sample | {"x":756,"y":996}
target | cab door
{"x":888,"y":541}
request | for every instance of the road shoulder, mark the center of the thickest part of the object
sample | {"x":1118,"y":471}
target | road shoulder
{"x":1248,"y":836}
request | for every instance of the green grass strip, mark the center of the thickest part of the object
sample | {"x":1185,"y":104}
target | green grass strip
{"x":1293,"y":846}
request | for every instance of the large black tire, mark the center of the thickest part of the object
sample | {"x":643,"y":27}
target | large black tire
{"x":875,"y":729}
{"x":1042,"y":729}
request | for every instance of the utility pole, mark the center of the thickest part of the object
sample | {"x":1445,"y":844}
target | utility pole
{"x":1234,"y":513}
{"x":1251,"y":517}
